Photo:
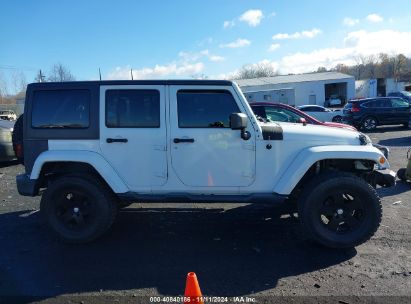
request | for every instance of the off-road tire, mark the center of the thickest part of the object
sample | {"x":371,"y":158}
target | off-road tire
{"x":17,"y":135}
{"x":101,"y":207}
{"x":317,"y":193}
{"x":369,"y":123}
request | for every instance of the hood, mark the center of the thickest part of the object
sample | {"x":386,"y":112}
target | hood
{"x":315,"y":135}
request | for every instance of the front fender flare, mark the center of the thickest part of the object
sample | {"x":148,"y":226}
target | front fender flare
{"x":92,"y":158}
{"x":309,"y":156}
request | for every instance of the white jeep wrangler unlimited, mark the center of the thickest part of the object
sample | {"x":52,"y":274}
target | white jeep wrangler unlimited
{"x":92,"y":147}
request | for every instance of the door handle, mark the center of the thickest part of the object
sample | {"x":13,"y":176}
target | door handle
{"x":183,"y":140}
{"x":113,"y":140}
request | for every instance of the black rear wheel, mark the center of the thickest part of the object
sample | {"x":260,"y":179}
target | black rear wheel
{"x":340,"y":210}
{"x":78,"y":209}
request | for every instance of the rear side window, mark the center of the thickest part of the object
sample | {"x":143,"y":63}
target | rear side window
{"x":281,"y":114}
{"x":377,"y":103}
{"x":61,"y":109}
{"x":399,"y":103}
{"x":132,"y":108}
{"x":205,"y":109}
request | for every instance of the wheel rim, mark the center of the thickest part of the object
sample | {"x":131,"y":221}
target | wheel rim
{"x":370,"y":124}
{"x":337,"y":119}
{"x":74,"y":210}
{"x":342,"y":212}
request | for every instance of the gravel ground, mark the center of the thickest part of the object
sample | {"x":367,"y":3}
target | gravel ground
{"x":236,"y":251}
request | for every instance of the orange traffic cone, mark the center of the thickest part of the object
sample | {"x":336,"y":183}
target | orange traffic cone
{"x":192,"y":293}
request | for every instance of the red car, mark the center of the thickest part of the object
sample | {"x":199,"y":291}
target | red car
{"x":282,"y":112}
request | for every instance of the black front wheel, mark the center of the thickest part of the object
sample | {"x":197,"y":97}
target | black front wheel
{"x":337,"y":119}
{"x":340,"y":210}
{"x":78,"y":209}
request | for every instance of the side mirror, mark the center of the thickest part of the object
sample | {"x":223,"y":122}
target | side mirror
{"x":302,"y":120}
{"x":238,"y":121}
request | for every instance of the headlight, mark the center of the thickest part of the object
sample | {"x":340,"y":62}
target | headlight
{"x":364,"y":139}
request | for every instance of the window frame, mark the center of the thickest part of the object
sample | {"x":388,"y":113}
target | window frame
{"x":132,"y":127}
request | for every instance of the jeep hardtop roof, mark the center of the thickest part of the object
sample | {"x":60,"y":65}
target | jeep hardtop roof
{"x":48,"y":85}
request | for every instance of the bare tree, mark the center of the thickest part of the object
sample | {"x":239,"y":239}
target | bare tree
{"x":371,"y":63}
{"x":256,"y":71}
{"x":385,"y":68}
{"x":321,"y":69}
{"x":3,"y":88}
{"x":359,"y":66}
{"x":399,"y":63}
{"x":342,"y":68}
{"x":19,"y":82}
{"x":60,"y":73}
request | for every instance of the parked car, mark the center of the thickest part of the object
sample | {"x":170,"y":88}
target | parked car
{"x":195,"y":140}
{"x":368,"y":113}
{"x":6,"y":146}
{"x":8,"y":115}
{"x":402,"y":94}
{"x":321,"y":113}
{"x":282,"y":112}
{"x":333,"y":100}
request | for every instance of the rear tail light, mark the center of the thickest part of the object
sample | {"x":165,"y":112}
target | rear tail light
{"x":19,"y":150}
{"x":355,"y":108}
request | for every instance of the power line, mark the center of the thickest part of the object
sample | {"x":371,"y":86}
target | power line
{"x":13,"y":67}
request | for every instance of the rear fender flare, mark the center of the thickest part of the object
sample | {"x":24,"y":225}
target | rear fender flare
{"x":92,"y":158}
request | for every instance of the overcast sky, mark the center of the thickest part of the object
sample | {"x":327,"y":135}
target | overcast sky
{"x":178,"y":39}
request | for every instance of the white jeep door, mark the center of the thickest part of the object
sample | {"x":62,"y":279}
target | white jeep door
{"x":133,"y":133}
{"x":205,"y":152}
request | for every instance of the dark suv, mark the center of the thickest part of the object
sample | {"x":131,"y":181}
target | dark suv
{"x":371,"y":112}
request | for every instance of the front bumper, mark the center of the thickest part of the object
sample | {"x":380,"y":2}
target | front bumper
{"x":383,"y":178}
{"x":26,"y":186}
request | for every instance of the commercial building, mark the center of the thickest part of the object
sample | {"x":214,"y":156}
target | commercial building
{"x":301,"y":89}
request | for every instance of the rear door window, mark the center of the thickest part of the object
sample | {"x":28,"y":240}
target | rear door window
{"x":132,"y":109}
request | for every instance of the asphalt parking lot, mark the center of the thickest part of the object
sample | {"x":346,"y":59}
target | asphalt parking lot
{"x":245,"y":250}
